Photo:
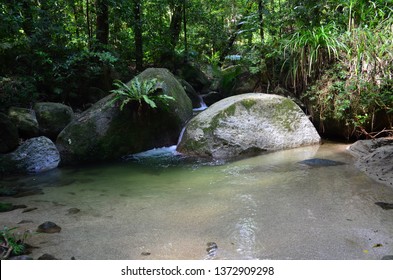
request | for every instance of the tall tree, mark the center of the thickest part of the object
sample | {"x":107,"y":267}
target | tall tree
{"x":137,"y":8}
{"x":176,"y":7}
{"x":102,"y":22}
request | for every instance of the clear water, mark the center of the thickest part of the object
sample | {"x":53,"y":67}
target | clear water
{"x":161,"y":205}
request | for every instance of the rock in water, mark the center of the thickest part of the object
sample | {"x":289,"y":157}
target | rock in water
{"x":35,"y":155}
{"x":47,"y":257}
{"x":48,"y":227}
{"x":375,"y":158}
{"x":247,"y":124}
{"x":320,"y":162}
{"x":211,"y":249}
{"x":104,"y":132}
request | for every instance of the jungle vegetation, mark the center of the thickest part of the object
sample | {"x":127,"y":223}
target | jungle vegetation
{"x":334,"y":55}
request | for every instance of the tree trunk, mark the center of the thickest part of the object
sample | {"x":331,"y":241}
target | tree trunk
{"x":138,"y":35}
{"x":102,"y":23}
{"x":185,"y":31}
{"x":88,"y":24}
{"x":261,"y":23}
{"x":175,"y":25}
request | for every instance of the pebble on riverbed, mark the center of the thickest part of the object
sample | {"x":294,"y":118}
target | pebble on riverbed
{"x":48,"y":227}
{"x":73,"y":211}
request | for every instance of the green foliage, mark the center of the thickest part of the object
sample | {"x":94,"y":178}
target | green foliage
{"x":139,"y":91}
{"x":17,"y":91}
{"x":309,"y":51}
{"x":12,"y":242}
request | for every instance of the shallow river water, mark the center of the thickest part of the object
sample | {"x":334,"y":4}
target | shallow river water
{"x":265,"y":207}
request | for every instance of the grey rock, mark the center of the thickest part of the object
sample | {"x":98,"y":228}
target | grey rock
{"x":247,"y":124}
{"x":375,"y":158}
{"x":320,"y":162}
{"x":35,"y":155}
{"x":48,"y":227}
{"x":25,"y":120}
{"x":53,"y":118}
{"x":104,"y":132}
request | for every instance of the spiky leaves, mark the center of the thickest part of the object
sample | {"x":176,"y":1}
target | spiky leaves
{"x":146,"y":91}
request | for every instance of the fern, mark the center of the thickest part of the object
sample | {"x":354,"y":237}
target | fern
{"x":11,"y":242}
{"x":138,"y":91}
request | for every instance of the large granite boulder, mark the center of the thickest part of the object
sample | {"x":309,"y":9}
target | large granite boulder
{"x":104,"y":132}
{"x":35,"y":155}
{"x":9,"y":138}
{"x":52,"y":118}
{"x":247,"y":124}
{"x":375,"y":158}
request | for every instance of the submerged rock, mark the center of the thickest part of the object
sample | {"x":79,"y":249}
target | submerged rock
{"x":247,"y":124}
{"x":48,"y":227}
{"x":320,"y":162}
{"x":47,"y":257}
{"x":35,"y":155}
{"x":104,"y":132}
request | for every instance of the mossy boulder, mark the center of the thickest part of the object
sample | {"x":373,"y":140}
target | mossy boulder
{"x":247,"y":124}
{"x":9,"y":137}
{"x":25,"y":120}
{"x":104,"y":132}
{"x":52,"y":118}
{"x":35,"y":155}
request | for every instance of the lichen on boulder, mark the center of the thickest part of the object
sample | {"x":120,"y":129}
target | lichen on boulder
{"x":104,"y":132}
{"x":247,"y":124}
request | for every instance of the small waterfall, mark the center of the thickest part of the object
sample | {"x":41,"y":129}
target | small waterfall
{"x":181,"y":135}
{"x":202,"y":104}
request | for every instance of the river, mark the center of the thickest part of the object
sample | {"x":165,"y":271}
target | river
{"x":164,"y":206}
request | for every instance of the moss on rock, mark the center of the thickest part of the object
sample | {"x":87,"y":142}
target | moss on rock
{"x":104,"y":132}
{"x":248,"y":124}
